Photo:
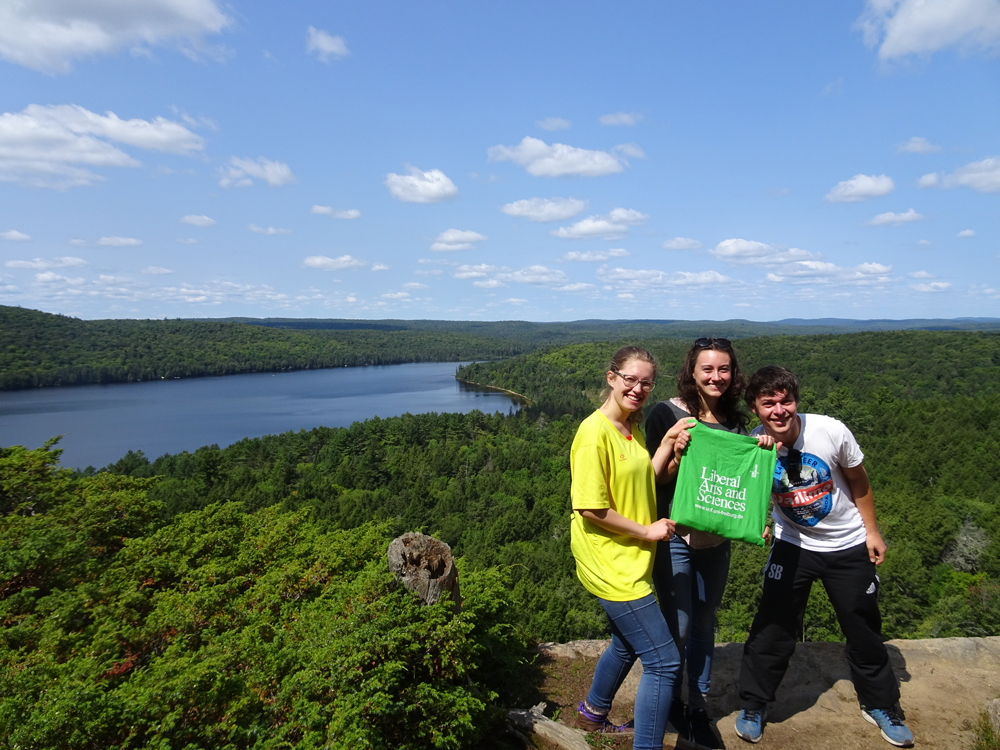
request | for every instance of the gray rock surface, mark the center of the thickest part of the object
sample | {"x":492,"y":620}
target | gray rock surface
{"x":945,"y":683}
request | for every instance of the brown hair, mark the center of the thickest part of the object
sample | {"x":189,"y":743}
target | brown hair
{"x":618,"y":360}
{"x":768,"y":381}
{"x":687,"y":388}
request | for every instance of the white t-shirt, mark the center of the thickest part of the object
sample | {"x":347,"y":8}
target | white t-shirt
{"x":813,"y":505}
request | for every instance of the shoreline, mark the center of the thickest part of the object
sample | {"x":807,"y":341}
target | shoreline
{"x":527,"y":400}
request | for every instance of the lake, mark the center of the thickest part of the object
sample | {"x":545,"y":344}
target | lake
{"x":101,"y":423}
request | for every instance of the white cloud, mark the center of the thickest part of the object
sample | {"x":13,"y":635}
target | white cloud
{"x":967,"y":233}
{"x":48,"y":36}
{"x":577,"y":287}
{"x":337,"y":213}
{"x":476,"y":272}
{"x":920,"y":275}
{"x":821,"y":272}
{"x":40,"y":264}
{"x":48,"y":277}
{"x":56,"y":146}
{"x":929,"y":180}
{"x":921,"y":27}
{"x":591,"y":228}
{"x":859,"y":188}
{"x":324,"y":46}
{"x":982,"y":176}
{"x":268,"y":230}
{"x":414,"y":285}
{"x":682,"y":243}
{"x":834,"y":88}
{"x":14,"y":236}
{"x":629,"y":150}
{"x":543,"y":209}
{"x":187,"y":241}
{"x":381,"y":267}
{"x":119,"y":289}
{"x":889,"y":218}
{"x":156,"y":271}
{"x":620,"y":118}
{"x":421,"y":187}
{"x":628,"y":216}
{"x":637,"y":280}
{"x":535,"y":275}
{"x":924,"y":242}
{"x":118,"y":242}
{"x":750,"y":252}
{"x":489,"y":284}
{"x":557,"y":160}
{"x":554,"y":123}
{"x":874,"y":268}
{"x":396,"y":295}
{"x":324,"y":263}
{"x":597,"y":255}
{"x":242,"y":172}
{"x":451,"y":240}
{"x":197,"y":221}
{"x":917,"y":145}
{"x":610,"y":227}
{"x":934,"y":286}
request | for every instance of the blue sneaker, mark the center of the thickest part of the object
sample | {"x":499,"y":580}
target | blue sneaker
{"x":893,"y":729}
{"x":750,"y":724}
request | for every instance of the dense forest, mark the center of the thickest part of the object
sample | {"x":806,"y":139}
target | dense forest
{"x":39,"y":349}
{"x":238,"y":596}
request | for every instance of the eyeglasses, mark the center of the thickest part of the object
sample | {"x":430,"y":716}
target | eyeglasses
{"x":631,"y":381}
{"x":704,"y":343}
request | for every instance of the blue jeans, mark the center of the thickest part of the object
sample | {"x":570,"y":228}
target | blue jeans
{"x":638,"y":630}
{"x":690,"y":583}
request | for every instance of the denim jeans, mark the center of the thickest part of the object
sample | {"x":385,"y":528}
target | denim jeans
{"x":690,"y":583}
{"x":638,"y":630}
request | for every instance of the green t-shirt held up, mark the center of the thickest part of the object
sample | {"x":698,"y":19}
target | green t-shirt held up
{"x":724,"y":485}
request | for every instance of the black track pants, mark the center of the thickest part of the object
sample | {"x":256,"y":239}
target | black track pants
{"x":850,"y":582}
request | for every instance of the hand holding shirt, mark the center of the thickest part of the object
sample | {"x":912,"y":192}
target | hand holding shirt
{"x":724,"y":485}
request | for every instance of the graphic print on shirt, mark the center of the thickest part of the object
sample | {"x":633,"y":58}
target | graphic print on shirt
{"x":802,"y":488}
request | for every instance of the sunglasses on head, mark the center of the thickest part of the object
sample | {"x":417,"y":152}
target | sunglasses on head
{"x":704,"y":343}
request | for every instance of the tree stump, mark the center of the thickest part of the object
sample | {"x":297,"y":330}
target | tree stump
{"x":425,"y":566}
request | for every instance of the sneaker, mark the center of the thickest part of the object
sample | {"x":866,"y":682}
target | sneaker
{"x":591,"y":722}
{"x":678,"y":717}
{"x":700,"y":730}
{"x":894,"y":731}
{"x":750,"y":724}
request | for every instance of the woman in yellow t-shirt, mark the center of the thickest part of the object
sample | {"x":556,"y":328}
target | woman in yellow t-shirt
{"x":614,"y":536}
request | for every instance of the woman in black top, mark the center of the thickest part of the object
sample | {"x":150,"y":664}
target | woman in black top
{"x":690,"y":570}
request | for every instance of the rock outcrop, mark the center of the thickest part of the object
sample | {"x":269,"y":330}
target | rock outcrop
{"x":946,"y":684}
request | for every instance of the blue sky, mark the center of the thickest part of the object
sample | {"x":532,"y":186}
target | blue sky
{"x":495,"y":161}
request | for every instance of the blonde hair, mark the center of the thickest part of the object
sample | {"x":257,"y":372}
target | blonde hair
{"x":621,"y":358}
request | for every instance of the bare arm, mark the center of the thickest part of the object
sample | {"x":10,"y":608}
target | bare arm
{"x":861,"y":491}
{"x":668,"y":455}
{"x":614,"y":521}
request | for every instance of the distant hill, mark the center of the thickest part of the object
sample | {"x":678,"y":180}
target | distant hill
{"x":40,"y":349}
{"x":577,"y":331}
{"x":926,"y":324}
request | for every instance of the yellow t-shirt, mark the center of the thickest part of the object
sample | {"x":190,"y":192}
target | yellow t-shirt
{"x":611,"y":471}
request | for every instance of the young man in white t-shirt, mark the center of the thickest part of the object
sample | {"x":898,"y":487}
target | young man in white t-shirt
{"x":824,"y":528}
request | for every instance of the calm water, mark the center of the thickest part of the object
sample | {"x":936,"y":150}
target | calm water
{"x":101,"y":423}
